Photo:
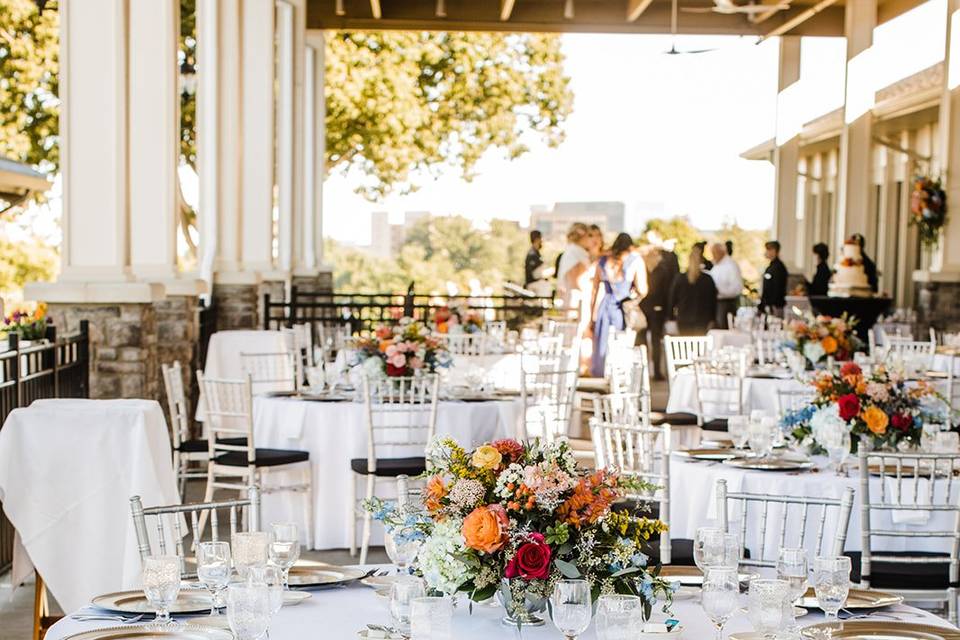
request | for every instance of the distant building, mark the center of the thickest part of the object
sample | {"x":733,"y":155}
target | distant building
{"x":553,"y":223}
{"x":381,"y":241}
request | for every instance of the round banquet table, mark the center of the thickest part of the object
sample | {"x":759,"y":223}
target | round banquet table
{"x":333,"y":432}
{"x":693,"y":505}
{"x":502,"y":370}
{"x":340,"y":613}
{"x":758,"y":392}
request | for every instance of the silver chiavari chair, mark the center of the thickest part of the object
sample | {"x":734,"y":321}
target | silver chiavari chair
{"x":790,"y":400}
{"x":401,"y":416}
{"x":300,"y":342}
{"x":794,"y":515}
{"x":272,"y":372}
{"x":185,"y":448}
{"x":719,"y":383}
{"x":464,"y":344}
{"x":173,"y":525}
{"x":331,"y":338}
{"x":619,"y":352}
{"x":544,"y":352}
{"x":629,"y":371}
{"x":548,"y":397}
{"x":921,"y":352}
{"x":496,"y":330}
{"x":681,"y":351}
{"x":625,"y":441}
{"x":923,"y":484}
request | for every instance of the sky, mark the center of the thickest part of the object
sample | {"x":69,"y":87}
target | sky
{"x":661,"y":133}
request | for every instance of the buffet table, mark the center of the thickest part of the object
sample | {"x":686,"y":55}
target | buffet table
{"x":866,"y":310}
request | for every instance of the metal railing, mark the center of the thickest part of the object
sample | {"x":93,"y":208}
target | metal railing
{"x":52,"y":368}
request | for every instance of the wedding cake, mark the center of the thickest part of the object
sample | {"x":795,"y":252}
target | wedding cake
{"x":849,"y":278}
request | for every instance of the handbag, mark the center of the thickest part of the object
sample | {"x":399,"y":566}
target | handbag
{"x":633,"y":316}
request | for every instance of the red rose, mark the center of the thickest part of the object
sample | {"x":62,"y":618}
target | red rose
{"x":532,"y":561}
{"x":901,"y":421}
{"x":849,"y":406}
{"x":396,"y":371}
{"x":850,"y":369}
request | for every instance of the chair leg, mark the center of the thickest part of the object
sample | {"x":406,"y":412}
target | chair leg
{"x":352,"y":514}
{"x":367,"y":520}
{"x":308,"y":506}
{"x":182,"y":465}
{"x":207,"y":497}
{"x":952,"y":606}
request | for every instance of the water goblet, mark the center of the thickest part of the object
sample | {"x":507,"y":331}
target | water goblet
{"x":765,"y":605}
{"x":213,"y":570}
{"x":284,"y":549}
{"x":716,"y":548}
{"x":738,"y":427}
{"x":402,"y":592}
{"x":249,"y":550}
{"x":401,"y":548}
{"x":619,"y":617}
{"x":719,"y":594}
{"x":431,"y":618}
{"x":272,"y":578}
{"x":571,"y":608}
{"x":760,"y":438}
{"x":248,"y":610}
{"x":161,"y":585}
{"x":792,"y":568}
{"x":831,"y":583}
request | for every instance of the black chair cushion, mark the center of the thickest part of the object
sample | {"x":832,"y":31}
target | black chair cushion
{"x":391,"y":467}
{"x":718,"y":424}
{"x":264,"y":457}
{"x":673,"y":419}
{"x":196,"y":446}
{"x":903,"y":575}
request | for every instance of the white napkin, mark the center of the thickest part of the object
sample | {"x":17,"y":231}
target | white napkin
{"x":908,"y":516}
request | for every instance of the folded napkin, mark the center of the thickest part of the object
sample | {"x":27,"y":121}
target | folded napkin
{"x":906,"y":498}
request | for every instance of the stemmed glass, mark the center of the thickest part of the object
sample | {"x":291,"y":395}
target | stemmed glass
{"x":715,"y":548}
{"x":161,"y":585}
{"x":738,"y":427}
{"x":401,"y":548}
{"x":249,"y":550}
{"x":284,"y":549}
{"x":792,"y":568}
{"x":272,"y":578}
{"x":760,"y":438}
{"x":248,"y":610}
{"x":213,"y":570}
{"x":619,"y":617}
{"x":718,"y":597}
{"x":571,"y":608}
{"x":402,"y":592}
{"x":837,"y":445}
{"x":765,"y":605}
{"x":831,"y":582}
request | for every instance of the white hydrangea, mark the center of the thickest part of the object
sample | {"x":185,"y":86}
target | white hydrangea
{"x":438,"y":558}
{"x":813,"y":351}
{"x":826,"y":425}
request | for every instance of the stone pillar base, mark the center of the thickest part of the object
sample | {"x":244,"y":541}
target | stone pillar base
{"x":178,"y":335}
{"x":237,"y":306}
{"x":319,"y":282}
{"x":938,"y":305}
{"x":123,"y":346}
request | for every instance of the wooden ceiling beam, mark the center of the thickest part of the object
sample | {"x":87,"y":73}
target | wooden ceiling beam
{"x":506,"y":8}
{"x":635,"y":9}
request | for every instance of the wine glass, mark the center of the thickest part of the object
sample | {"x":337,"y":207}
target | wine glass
{"x":249,"y":550}
{"x":760,"y":438}
{"x":213,"y":569}
{"x":831,"y":582}
{"x":401,"y":548}
{"x":571,"y":608}
{"x":792,"y":568}
{"x":272,"y":578}
{"x":765,"y":605}
{"x":402,"y":592}
{"x":248,"y":610}
{"x":718,"y":597}
{"x":738,"y":428}
{"x":161,"y":585}
{"x":619,"y":617}
{"x":837,"y":444}
{"x":284,"y":549}
{"x":715,"y":548}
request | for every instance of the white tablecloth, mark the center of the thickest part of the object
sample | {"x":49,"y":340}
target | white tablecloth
{"x":501,"y":369}
{"x":335,"y":432}
{"x":693,"y":505}
{"x":758,"y":393}
{"x":67,"y":471}
{"x":340,"y":613}
{"x":730,"y":338}
{"x":943,"y":362}
{"x":223,"y":352}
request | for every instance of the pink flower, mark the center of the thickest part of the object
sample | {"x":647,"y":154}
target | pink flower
{"x":398,"y":360}
{"x":391,"y":350}
{"x":415,"y":362}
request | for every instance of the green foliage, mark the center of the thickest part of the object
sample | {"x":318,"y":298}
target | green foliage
{"x":25,"y":261}
{"x":678,"y":228}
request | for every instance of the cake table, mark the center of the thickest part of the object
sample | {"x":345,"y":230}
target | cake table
{"x":866,"y":309}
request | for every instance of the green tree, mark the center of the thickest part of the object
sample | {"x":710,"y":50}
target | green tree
{"x":677,"y":228}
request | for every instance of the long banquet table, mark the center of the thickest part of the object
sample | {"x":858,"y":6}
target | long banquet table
{"x":335,"y":432}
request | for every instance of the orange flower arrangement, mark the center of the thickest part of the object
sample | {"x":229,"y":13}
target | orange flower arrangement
{"x":591,"y":499}
{"x":485,"y":529}
{"x":435,"y":492}
{"x":829,"y":345}
{"x":876,"y":420}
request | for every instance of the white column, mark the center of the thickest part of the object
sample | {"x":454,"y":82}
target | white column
{"x":258,"y":134}
{"x":285,"y":143}
{"x":786,"y":156}
{"x":855,"y":140}
{"x":208,"y":132}
{"x":949,"y":259}
{"x":230,"y":148}
{"x":314,"y":143}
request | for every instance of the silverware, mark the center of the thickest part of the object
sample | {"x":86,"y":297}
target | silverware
{"x":83,"y":617}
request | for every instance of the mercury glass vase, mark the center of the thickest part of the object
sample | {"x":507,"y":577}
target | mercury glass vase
{"x":522,"y":609}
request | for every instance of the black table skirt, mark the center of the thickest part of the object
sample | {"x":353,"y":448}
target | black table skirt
{"x":866,"y":310}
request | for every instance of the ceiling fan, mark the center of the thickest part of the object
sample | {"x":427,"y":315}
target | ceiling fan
{"x":673,"y":51}
{"x":730,"y":7}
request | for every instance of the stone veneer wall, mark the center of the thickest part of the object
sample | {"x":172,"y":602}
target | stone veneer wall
{"x":938,"y":305}
{"x":123,"y":347}
{"x":237,"y":306}
{"x":178,"y":335}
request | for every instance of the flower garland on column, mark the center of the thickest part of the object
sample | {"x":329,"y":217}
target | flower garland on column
{"x":928,"y":209}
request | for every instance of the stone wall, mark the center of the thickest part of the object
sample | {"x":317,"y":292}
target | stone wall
{"x":237,"y":306}
{"x":321,"y":282}
{"x":938,"y":305}
{"x":178,"y":335}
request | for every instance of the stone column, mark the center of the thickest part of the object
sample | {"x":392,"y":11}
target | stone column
{"x":786,"y":156}
{"x":855,"y":139}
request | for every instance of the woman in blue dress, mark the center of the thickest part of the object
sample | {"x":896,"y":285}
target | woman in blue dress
{"x":623,"y":275}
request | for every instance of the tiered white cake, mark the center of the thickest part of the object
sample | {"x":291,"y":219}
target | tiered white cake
{"x":849,"y":278}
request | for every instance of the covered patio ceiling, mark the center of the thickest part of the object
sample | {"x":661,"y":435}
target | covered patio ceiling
{"x":720,"y":17}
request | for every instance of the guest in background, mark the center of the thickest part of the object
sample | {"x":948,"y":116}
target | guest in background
{"x":655,"y":305}
{"x":623,"y":275}
{"x":726,"y":276}
{"x":693,"y":299}
{"x":701,"y":251}
{"x":573,"y":263}
{"x":533,"y":264}
{"x":729,"y":245}
{"x":869,"y":266}
{"x":821,"y":279}
{"x":773,"y":294}
{"x":595,"y":245}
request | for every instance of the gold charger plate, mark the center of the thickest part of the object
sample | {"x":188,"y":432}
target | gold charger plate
{"x":188,"y":601}
{"x":877,"y":630}
{"x":178,"y":632}
{"x":770,"y":464}
{"x":711,"y":453}
{"x":318,"y":574}
{"x":856,"y":599}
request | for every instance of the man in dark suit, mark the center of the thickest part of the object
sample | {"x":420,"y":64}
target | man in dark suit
{"x":869,"y":266}
{"x":533,"y":261}
{"x":655,"y":305}
{"x":774,"y":293}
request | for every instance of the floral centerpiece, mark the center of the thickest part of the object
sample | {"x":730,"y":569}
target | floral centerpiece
{"x":517,"y":518}
{"x":403,"y":349}
{"x":28,"y":325}
{"x":928,"y":209}
{"x":461,"y":318}
{"x":822,"y":337}
{"x":879,"y":409}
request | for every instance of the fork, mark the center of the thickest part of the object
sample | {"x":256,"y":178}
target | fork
{"x":84,"y":617}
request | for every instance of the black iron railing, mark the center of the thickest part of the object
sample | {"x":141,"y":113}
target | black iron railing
{"x":54,"y":368}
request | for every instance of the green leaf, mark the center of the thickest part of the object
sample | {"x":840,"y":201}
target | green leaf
{"x":569,"y":570}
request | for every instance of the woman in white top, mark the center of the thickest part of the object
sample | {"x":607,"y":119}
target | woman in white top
{"x":573,"y":263}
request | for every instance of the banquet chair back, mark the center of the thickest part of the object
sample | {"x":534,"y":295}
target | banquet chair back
{"x":681,"y":351}
{"x":619,"y":351}
{"x":636,"y":449}
{"x":548,"y":398}
{"x":176,"y":522}
{"x":332,"y":338}
{"x":769,"y":345}
{"x":794,"y":515}
{"x":719,"y":383}
{"x":544,"y":352}
{"x":916,"y":488}
{"x":496,"y":329}
{"x":772,"y":323}
{"x":272,"y":372}
{"x":300,"y":342}
{"x":790,"y":400}
{"x":627,"y":408}
{"x":464,"y":344}
{"x":920,"y":351}
{"x":569,"y":332}
{"x":185,"y":449}
{"x":629,"y":371}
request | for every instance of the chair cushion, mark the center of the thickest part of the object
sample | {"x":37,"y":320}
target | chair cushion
{"x":391,"y":467}
{"x":718,"y":424}
{"x":903,"y":575}
{"x":264,"y":457}
{"x":658,"y":418}
{"x":197,"y":445}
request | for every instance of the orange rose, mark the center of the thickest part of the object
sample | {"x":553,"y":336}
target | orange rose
{"x":434,"y":493}
{"x":485,"y":529}
{"x":442,"y":327}
{"x":829,"y":345}
{"x":876,"y":420}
